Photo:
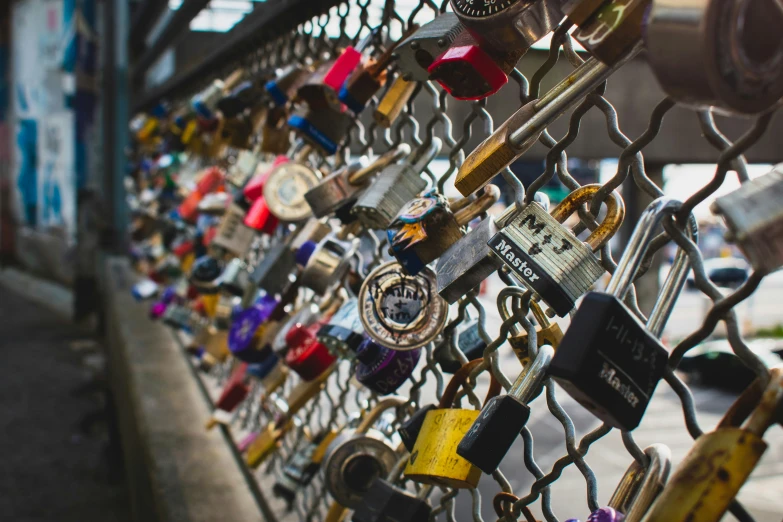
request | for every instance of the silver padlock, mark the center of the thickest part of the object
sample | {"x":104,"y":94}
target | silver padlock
{"x":470,"y":261}
{"x":344,"y":332}
{"x":417,"y":52}
{"x":723,"y":53}
{"x":394,"y":187}
{"x":273,"y":272}
{"x":312,"y":230}
{"x":327,"y":262}
{"x":235,"y":279}
{"x":548,"y":258}
{"x":344,"y":186}
{"x":233,"y":235}
{"x":754,"y":216}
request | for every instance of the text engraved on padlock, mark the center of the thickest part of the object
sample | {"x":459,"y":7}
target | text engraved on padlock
{"x":233,"y":235}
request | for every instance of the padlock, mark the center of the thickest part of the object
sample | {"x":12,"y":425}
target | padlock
{"x":548,"y":258}
{"x":367,"y":79}
{"x":347,"y":62}
{"x":492,"y":433}
{"x":205,"y":102}
{"x":233,"y":235}
{"x":395,"y":186}
{"x":720,"y":53}
{"x":325,"y":263}
{"x":313,"y":230}
{"x":613,"y":29}
{"x":470,"y":343}
{"x":416,"y":53}
{"x":522,"y":130}
{"x":383,"y":370}
{"x":246,"y":331}
{"x":608,"y":360}
{"x":547,"y":333}
{"x":400,"y":311}
{"x":393,"y":102}
{"x":343,"y":187}
{"x":385,"y":502}
{"x":213,"y":204}
{"x":509,"y":24}
{"x":638,"y":488}
{"x":580,"y":11}
{"x":357,"y":457}
{"x":315,"y":93}
{"x":409,"y":429}
{"x":209,"y":181}
{"x":324,"y":128}
{"x":426,"y":227}
{"x":434,"y":459}
{"x":343,"y":334}
{"x":285,"y":189}
{"x":272,"y":272}
{"x":205,"y":274}
{"x":719,"y":463}
{"x":284,"y":86}
{"x":235,"y":278}
{"x":235,"y":391}
{"x":754,"y":217}
{"x":308,"y":357}
{"x":302,"y":467}
{"x":275,"y":134}
{"x":267,"y":441}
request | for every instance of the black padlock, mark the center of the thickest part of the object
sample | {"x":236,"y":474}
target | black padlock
{"x":409,"y":430}
{"x":385,"y":502}
{"x":470,"y":343}
{"x":608,"y":360}
{"x":503,"y":417}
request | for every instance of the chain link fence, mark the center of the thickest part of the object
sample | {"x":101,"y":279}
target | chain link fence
{"x":341,"y":404}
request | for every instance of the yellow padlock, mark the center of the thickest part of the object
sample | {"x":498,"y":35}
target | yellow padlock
{"x":434,"y":458}
{"x":706,"y":482}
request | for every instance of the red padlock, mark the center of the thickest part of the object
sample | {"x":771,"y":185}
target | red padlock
{"x":306,"y":356}
{"x":210,"y":181}
{"x":235,"y":391}
{"x":255,"y":187}
{"x":467,"y":72}
{"x":260,"y":218}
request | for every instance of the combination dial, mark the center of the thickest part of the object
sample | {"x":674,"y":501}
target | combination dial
{"x":481,"y":8}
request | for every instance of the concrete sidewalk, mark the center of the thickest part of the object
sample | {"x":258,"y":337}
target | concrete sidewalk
{"x":54,"y":444}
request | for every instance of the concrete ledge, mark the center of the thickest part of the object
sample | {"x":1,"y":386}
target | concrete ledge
{"x":53,"y":296}
{"x":177,"y":471}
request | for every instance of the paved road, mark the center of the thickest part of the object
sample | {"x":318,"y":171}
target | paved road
{"x":55,"y":464}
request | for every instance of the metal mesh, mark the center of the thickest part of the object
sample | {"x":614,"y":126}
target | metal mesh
{"x":341,"y":403}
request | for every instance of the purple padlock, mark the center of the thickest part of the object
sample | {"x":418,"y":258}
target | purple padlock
{"x":158,"y":309}
{"x":383,"y":370}
{"x":244,"y":328}
{"x":606,"y":514}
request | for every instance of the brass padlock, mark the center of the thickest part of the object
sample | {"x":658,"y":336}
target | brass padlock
{"x":547,"y":332}
{"x":394,"y":101}
{"x":613,"y":29}
{"x":357,"y":457}
{"x":434,"y":458}
{"x":706,"y":482}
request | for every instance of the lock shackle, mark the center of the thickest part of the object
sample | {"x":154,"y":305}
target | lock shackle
{"x":233,"y":79}
{"x":641,"y":484}
{"x":478,"y":206}
{"x":460,"y":378}
{"x":539,"y":314}
{"x":422,"y":157}
{"x":375,"y":413}
{"x":533,"y":375}
{"x":759,"y":408}
{"x":672,"y":287}
{"x":615,"y":213}
{"x":381,"y":162}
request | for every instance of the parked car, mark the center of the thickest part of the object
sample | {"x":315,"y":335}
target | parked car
{"x":715,"y":364}
{"x":726,"y":272}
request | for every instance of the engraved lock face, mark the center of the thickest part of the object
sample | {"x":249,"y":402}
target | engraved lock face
{"x":335,"y":191}
{"x":400,"y":311}
{"x":383,"y":370}
{"x":285,"y":189}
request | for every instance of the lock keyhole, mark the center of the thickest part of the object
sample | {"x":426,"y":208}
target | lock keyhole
{"x":360,"y":471}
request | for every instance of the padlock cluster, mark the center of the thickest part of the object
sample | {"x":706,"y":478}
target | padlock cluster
{"x":280,"y":258}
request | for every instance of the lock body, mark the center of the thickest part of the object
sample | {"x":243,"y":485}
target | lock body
{"x":609,"y":361}
{"x":383,"y":370}
{"x":417,"y":53}
{"x":326,"y":265}
{"x":272,"y":272}
{"x":385,"y":502}
{"x":547,"y":258}
{"x":285,"y":189}
{"x":613,"y":29}
{"x":377,"y":207}
{"x":343,"y":334}
{"x":394,"y":101}
{"x":434,"y":458}
{"x":325,"y":128}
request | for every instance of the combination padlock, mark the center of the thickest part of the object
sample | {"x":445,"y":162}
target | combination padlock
{"x":400,"y":311}
{"x":754,"y":219}
{"x":548,"y":258}
{"x":717,"y":53}
{"x":307,"y":356}
{"x":357,"y":457}
{"x":383,"y":370}
{"x":470,"y":343}
{"x":495,"y":429}
{"x":522,"y":130}
{"x":416,"y":53}
{"x":608,"y":360}
{"x":385,"y":502}
{"x":638,"y":488}
{"x":547,"y":332}
{"x":434,"y":459}
{"x":327,"y":262}
{"x":427,"y":226}
{"x":612,"y":29}
{"x":394,"y":187}
{"x":341,"y":188}
{"x":343,"y":334}
{"x":719,"y":463}
{"x":393,"y":102}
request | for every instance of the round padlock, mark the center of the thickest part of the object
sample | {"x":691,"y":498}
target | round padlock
{"x":355,"y":458}
{"x":205,"y":274}
{"x":383,"y":370}
{"x":285,"y":189}
{"x":244,"y":332}
{"x":306,"y":356}
{"x":400,"y":311}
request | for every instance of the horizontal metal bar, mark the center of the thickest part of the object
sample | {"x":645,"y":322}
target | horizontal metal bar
{"x":143,"y":20}
{"x":262,"y":25}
